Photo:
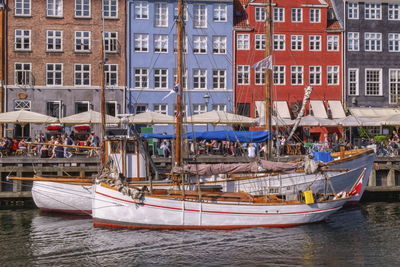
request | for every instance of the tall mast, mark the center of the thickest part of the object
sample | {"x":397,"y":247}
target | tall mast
{"x":268,"y":78}
{"x":179,"y":82}
{"x":102,"y":101}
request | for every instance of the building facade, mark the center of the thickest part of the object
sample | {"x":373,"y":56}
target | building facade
{"x":151,"y":64}
{"x":54,"y":54}
{"x":306,"y":48}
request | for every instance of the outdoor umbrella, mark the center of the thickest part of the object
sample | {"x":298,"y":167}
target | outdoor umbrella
{"x":316,"y":121}
{"x":392,"y":120}
{"x":281,"y":121}
{"x":151,"y":117}
{"x":353,"y":121}
{"x":89,"y":117}
{"x":220,"y":117}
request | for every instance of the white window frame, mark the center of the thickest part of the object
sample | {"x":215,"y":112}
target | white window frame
{"x":54,"y":8}
{"x":394,"y":86}
{"x":353,"y":41}
{"x":260,"y":14}
{"x":142,"y":107}
{"x":141,"y":10}
{"x":315,"y":15}
{"x":297,"y":74}
{"x":199,"y":79}
{"x":110,"y":75}
{"x":141,"y":78}
{"x":353,"y":10}
{"x":332,"y":42}
{"x":26,"y":72}
{"x":20,"y":39}
{"x":332,"y":75}
{"x":279,"y":74}
{"x":87,"y":103}
{"x":199,"y":16}
{"x":107,"y":7}
{"x":393,"y":11}
{"x":185,"y":44}
{"x":279,"y":14}
{"x":353,"y":82}
{"x":314,"y":42}
{"x":184,"y":78}
{"x":372,"y":11}
{"x":160,"y":78}
{"x":112,"y":103}
{"x":220,"y":13}
{"x":84,"y":39}
{"x":243,"y":74}
{"x":259,"y":76}
{"x":82,"y":73}
{"x":373,"y":42}
{"x":259,"y":42}
{"x":394,"y":42}
{"x":200,"y":44}
{"x":56,"y":103}
{"x":199,"y":109}
{"x":296,"y":15}
{"x":296,"y":42}
{"x":185,"y":12}
{"x":141,"y":42}
{"x":219,"y":79}
{"x":219,"y":107}
{"x":54,"y":72}
{"x":279,"y":42}
{"x":54,"y":37}
{"x":81,"y":8}
{"x":243,"y":42}
{"x":160,"y":108}
{"x":219,"y":44}
{"x":161,"y":15}
{"x":24,"y":104}
{"x":111,"y":44}
{"x":380,"y":81}
{"x":20,"y":10}
{"x":160,"y":43}
{"x":315,"y":75}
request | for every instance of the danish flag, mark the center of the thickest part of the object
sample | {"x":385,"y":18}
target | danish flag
{"x":356,"y":190}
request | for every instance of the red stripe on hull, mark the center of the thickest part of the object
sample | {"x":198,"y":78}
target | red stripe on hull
{"x":76,"y":212}
{"x":205,"y":227}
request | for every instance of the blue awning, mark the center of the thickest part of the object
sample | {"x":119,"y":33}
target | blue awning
{"x":159,"y":136}
{"x":240,"y":136}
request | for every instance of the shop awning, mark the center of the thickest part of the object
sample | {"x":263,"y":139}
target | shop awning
{"x":282,"y":109}
{"x":336,"y":109}
{"x":376,"y":113}
{"x":318,"y":109}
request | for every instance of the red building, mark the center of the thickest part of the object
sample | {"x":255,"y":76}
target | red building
{"x":306,"y":50}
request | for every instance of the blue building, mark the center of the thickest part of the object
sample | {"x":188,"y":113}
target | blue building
{"x":151,"y":52}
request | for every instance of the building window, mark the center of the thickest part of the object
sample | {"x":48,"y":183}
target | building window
{"x":200,"y":16}
{"x":185,"y":44}
{"x":297,"y":75}
{"x":141,"y":42}
{"x":22,"y":40}
{"x":260,"y":14}
{"x":243,"y":42}
{"x":111,"y":74}
{"x":199,"y":79}
{"x":373,"y":82}
{"x":332,"y":75}
{"x":220,"y":13}
{"x":315,"y":15}
{"x":219,"y":79}
{"x":54,"y":41}
{"x":279,"y":42}
{"x":259,"y":78}
{"x":373,"y":41}
{"x":141,"y":10}
{"x":243,"y":74}
{"x":353,"y":41}
{"x":279,"y":75}
{"x":185,"y":13}
{"x":199,"y":44}
{"x":279,"y":14}
{"x":315,"y":43}
{"x":394,"y":11}
{"x":82,"y":8}
{"x":54,"y":109}
{"x":140,"y":108}
{"x":81,"y":106}
{"x":22,"y":7}
{"x":161,"y":108}
{"x":219,"y":107}
{"x":259,"y":42}
{"x":394,"y":42}
{"x":332,"y":43}
{"x":111,"y":42}
{"x":110,"y":9}
{"x":219,"y":44}
{"x":243,"y":109}
{"x":82,"y":41}
{"x":297,"y":42}
{"x":353,"y":11}
{"x":160,"y":43}
{"x":315,"y":75}
{"x":161,"y":78}
{"x":22,"y":104}
{"x":82,"y":74}
{"x":161,"y":16}
{"x":199,"y":109}
{"x":394,"y":81}
{"x":373,"y":11}
{"x":297,"y":14}
{"x":54,"y":74}
{"x":22,"y":74}
{"x":184,"y":78}
{"x":111,"y":108}
{"x":54,"y":8}
{"x":353,"y":81}
{"x":141,"y":78}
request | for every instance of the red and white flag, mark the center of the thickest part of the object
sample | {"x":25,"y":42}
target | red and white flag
{"x":357,"y":188}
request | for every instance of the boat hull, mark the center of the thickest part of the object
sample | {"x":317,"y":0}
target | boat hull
{"x":113,"y":209}
{"x":62,"y":197}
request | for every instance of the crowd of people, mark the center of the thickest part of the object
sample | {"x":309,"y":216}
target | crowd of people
{"x":56,"y":146}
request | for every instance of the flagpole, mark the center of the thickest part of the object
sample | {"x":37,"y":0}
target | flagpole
{"x":268,"y":80}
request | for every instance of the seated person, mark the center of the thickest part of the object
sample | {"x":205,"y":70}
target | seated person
{"x":44,"y":152}
{"x":22,"y":144}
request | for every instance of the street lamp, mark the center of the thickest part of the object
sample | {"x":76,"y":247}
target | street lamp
{"x":206,"y":97}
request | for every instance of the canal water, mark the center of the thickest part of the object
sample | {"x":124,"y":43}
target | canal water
{"x":366,"y":234}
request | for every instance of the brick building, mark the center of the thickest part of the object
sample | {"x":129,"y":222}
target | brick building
{"x":306,"y":50}
{"x":54,"y":54}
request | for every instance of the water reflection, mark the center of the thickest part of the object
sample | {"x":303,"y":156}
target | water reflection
{"x":361,"y":235}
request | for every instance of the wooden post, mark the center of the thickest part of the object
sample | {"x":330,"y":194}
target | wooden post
{"x":268,"y":79}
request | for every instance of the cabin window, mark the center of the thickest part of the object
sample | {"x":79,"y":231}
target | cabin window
{"x":131,"y":147}
{"x":114,"y":147}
